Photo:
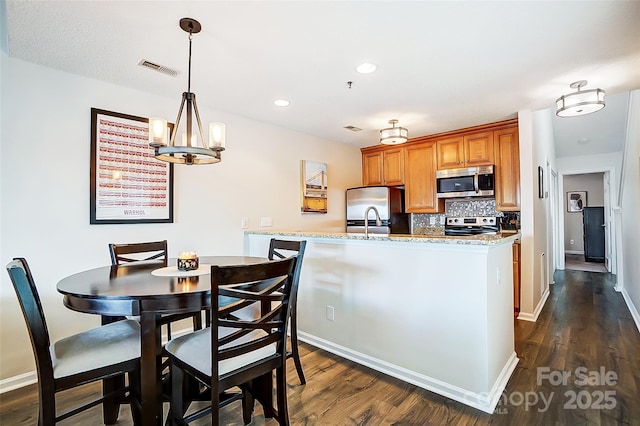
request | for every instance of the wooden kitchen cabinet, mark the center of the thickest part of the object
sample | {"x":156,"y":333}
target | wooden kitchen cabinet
{"x":383,"y":166}
{"x":420,"y":179}
{"x":475,"y":149}
{"x":516,"y":278}
{"x":507,"y":169}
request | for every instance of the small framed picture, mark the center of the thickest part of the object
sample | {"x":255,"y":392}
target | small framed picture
{"x":576,"y":201}
{"x":313,"y":185}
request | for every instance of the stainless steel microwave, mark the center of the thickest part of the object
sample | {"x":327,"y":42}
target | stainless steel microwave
{"x":467,"y":182}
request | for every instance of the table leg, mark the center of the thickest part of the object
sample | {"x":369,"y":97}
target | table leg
{"x":150,"y":370}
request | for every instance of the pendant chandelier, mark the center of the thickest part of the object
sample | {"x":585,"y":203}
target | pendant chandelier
{"x":394,"y":135}
{"x":580,"y":102}
{"x":192,"y":148}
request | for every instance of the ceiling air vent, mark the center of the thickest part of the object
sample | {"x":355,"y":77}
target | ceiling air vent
{"x":353,"y":128}
{"x":159,"y":68}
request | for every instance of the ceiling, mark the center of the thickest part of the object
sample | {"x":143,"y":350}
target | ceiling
{"x":441,"y":65}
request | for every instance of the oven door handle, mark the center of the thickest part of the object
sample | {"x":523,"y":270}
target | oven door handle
{"x":475,"y":183}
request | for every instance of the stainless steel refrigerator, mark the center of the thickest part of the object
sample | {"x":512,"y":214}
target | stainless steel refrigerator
{"x":387,"y":202}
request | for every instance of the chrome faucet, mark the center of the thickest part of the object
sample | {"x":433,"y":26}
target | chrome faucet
{"x":366,"y":220}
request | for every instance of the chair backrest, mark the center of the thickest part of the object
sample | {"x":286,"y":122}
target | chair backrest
{"x":31,"y":306}
{"x":280,"y":249}
{"x":136,"y":252}
{"x":264,"y":283}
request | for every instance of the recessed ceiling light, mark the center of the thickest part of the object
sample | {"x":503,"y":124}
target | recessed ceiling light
{"x":281,"y":102}
{"x":583,"y":141}
{"x":366,"y":68}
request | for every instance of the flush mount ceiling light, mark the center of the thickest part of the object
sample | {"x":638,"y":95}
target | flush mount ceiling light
{"x":394,"y":135}
{"x":281,"y":102}
{"x":366,"y":68}
{"x":580,"y":102}
{"x":193,"y":148}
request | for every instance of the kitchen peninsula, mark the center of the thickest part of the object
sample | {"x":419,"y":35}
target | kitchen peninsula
{"x":433,"y":311}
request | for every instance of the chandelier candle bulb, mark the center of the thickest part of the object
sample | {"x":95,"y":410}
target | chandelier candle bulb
{"x":216,"y":135}
{"x":157,"y":131}
{"x":188,"y":261}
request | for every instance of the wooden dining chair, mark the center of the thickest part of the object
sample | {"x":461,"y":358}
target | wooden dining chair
{"x":105,"y":353}
{"x":138,"y":252}
{"x":280,"y":249}
{"x":242,"y":353}
{"x":154,"y":251}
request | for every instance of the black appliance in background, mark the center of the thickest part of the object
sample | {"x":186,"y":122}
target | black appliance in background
{"x":593,"y":230}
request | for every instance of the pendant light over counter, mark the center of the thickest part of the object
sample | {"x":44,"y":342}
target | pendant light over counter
{"x":580,"y":102}
{"x":192,"y":147}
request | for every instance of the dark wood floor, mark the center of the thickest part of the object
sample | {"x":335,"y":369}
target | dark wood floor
{"x":585,"y":324}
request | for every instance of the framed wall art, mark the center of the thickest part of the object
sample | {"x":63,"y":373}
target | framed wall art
{"x":313,"y":185}
{"x":128,"y":184}
{"x":576,"y":200}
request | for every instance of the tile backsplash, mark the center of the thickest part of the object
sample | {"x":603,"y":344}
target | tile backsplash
{"x":433,"y":223}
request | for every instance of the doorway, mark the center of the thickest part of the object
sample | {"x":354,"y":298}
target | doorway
{"x":582,"y":195}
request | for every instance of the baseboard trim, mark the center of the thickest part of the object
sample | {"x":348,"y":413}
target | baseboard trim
{"x":574,"y":252}
{"x":16,"y":382}
{"x":632,"y":308}
{"x":486,"y":402}
{"x":536,"y":312}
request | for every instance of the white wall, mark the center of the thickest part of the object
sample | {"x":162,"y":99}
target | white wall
{"x":593,"y":185}
{"x":536,"y":149}
{"x":629,"y":231}
{"x":44,"y":191}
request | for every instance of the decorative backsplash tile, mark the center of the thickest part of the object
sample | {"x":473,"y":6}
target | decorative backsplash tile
{"x":471,"y":208}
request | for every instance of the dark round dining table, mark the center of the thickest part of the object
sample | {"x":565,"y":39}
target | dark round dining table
{"x":132,"y":290}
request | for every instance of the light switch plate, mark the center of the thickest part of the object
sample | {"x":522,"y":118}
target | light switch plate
{"x":245,"y":223}
{"x":266,"y":221}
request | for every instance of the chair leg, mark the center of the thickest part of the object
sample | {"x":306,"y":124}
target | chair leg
{"x":134,"y":397}
{"x":177,"y":409}
{"x":262,"y":388}
{"x":294,"y":348}
{"x":47,"y":407}
{"x":111,"y":405}
{"x":248,"y":402}
{"x":281,"y":395}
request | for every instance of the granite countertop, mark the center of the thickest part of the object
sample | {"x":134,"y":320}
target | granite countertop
{"x":434,"y":237}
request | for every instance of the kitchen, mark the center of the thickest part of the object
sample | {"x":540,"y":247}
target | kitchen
{"x":44,"y":193}
{"x":450,"y":271}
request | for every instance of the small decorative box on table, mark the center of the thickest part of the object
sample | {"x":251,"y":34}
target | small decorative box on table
{"x":188,"y":261}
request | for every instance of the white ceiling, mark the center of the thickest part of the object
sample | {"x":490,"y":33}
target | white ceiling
{"x":442,"y":65}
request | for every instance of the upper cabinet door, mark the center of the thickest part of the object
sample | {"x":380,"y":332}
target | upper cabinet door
{"x":372,"y":168}
{"x":507,"y":170}
{"x":393,"y":166}
{"x":450,"y":153}
{"x":420,"y":179}
{"x":384,"y":166}
{"x":478,"y":149}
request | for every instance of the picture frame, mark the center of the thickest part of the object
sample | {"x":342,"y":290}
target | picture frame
{"x":576,"y":201}
{"x":127,"y":183}
{"x":313,"y":187}
{"x":540,"y":182}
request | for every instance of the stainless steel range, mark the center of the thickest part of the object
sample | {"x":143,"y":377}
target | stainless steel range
{"x":471,"y":225}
